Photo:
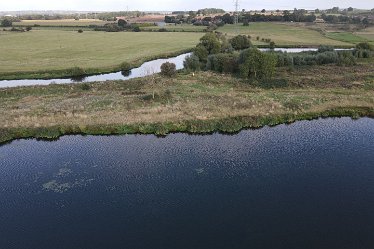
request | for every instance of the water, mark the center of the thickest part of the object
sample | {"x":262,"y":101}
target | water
{"x":307,"y":185}
{"x":146,"y":69}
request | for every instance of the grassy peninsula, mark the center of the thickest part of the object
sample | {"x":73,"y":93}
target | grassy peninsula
{"x":197,"y":103}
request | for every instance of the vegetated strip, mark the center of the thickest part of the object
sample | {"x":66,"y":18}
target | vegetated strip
{"x":69,"y":72}
{"x":224,"y":125}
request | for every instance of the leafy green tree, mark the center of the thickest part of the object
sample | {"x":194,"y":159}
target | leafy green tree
{"x":6,"y":23}
{"x":122,"y":23}
{"x":257,"y":65}
{"x":192,"y":63}
{"x":211,"y":43}
{"x":240,"y":42}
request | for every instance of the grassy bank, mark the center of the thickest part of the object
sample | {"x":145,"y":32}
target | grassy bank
{"x":205,"y":102}
{"x":284,"y":34}
{"x":51,"y":53}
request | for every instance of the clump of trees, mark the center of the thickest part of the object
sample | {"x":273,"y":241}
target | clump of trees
{"x":168,"y":69}
{"x":6,"y":23}
{"x":240,"y":42}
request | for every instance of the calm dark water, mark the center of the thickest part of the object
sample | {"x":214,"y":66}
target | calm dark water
{"x":306,"y":185}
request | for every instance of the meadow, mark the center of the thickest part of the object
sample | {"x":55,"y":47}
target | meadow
{"x":61,"y":23}
{"x":283,"y":34}
{"x":48,"y":50}
{"x":177,"y":28}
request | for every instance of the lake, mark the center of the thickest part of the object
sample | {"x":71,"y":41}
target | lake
{"x":306,"y":185}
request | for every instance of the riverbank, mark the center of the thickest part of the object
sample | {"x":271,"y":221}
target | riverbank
{"x":200,"y":103}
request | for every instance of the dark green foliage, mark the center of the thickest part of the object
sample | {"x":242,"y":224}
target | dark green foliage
{"x":85,"y":86}
{"x":201,"y":52}
{"x":223,"y":63}
{"x":80,"y":31}
{"x":125,"y":66}
{"x":76,"y":71}
{"x":6,"y":23}
{"x":136,"y":29}
{"x":162,"y":30}
{"x":324,"y":48}
{"x":329,"y":57}
{"x":346,"y":58}
{"x":28,"y":28}
{"x":365,"y":46}
{"x":359,"y":53}
{"x":273,"y":83}
{"x":122,"y":23}
{"x":285,"y":60}
{"x":192,"y":63}
{"x":240,"y":42}
{"x":168,"y":69}
{"x":257,"y":65}
{"x":211,"y":43}
{"x":272,"y":45}
{"x":246,"y":23}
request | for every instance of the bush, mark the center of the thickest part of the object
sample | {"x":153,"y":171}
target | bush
{"x":6,"y":23}
{"x":85,"y":86}
{"x":76,"y":71}
{"x":80,"y":31}
{"x":162,"y":30}
{"x":255,"y":64}
{"x":365,"y":46}
{"x":122,"y":23}
{"x":223,"y":63}
{"x":327,"y":58}
{"x":272,"y":45}
{"x":324,"y":48}
{"x":28,"y":28}
{"x":168,"y":69}
{"x":136,"y":29}
{"x":362,"y":53}
{"x":211,"y":43}
{"x":284,"y":60}
{"x":192,"y":63}
{"x":346,"y":58}
{"x":240,"y":42}
{"x":125,"y":66}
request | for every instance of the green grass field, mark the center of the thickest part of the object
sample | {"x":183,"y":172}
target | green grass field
{"x":283,"y":34}
{"x":346,"y":37}
{"x":56,"y":50}
{"x":65,"y":22}
{"x":178,"y":28}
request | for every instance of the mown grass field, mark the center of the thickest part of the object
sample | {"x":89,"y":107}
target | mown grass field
{"x":54,"y":49}
{"x":177,"y":28}
{"x":283,"y":34}
{"x":346,"y":37}
{"x":64,"y":22}
{"x":203,"y":102}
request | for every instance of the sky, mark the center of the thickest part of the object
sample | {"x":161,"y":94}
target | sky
{"x":165,"y":5}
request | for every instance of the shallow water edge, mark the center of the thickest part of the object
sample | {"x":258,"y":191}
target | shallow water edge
{"x":229,"y":125}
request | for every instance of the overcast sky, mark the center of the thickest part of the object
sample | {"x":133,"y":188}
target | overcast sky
{"x":103,"y":5}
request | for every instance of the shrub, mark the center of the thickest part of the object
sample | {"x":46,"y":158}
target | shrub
{"x":136,"y":29}
{"x":168,"y":69}
{"x":365,"y":46}
{"x":201,"y":52}
{"x":192,"y":63}
{"x":125,"y":66}
{"x":272,"y":45}
{"x":284,"y":60}
{"x":122,"y":23}
{"x":324,"y":48}
{"x":84,"y":86}
{"x":327,"y":58}
{"x":257,"y":38}
{"x":258,"y":65}
{"x":162,"y":30}
{"x":77,"y":71}
{"x":346,"y":58}
{"x":80,"y":31}
{"x":6,"y":23}
{"x":240,"y":42}
{"x":211,"y":43}
{"x":28,"y":28}
{"x":246,"y":23}
{"x":223,"y":63}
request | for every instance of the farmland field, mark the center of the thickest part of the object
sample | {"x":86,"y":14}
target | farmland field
{"x":283,"y":34}
{"x":346,"y":37}
{"x":56,"y":50}
{"x":178,"y":28}
{"x":64,"y":22}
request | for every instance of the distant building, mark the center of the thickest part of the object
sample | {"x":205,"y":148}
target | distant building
{"x":319,"y":20}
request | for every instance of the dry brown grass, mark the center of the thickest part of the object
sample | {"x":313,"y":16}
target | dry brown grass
{"x":205,"y":96}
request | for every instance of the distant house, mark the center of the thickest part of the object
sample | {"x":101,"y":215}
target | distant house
{"x":319,"y":20}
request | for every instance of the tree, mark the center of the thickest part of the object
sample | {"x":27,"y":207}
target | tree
{"x":122,"y":23}
{"x":136,"y":29}
{"x":211,"y":43}
{"x":263,"y":11}
{"x":227,"y":18}
{"x":28,"y":28}
{"x":168,"y":69}
{"x":257,"y":65}
{"x":350,"y":9}
{"x":272,"y":45}
{"x":240,"y":42}
{"x":6,"y":23}
{"x":192,"y":63}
